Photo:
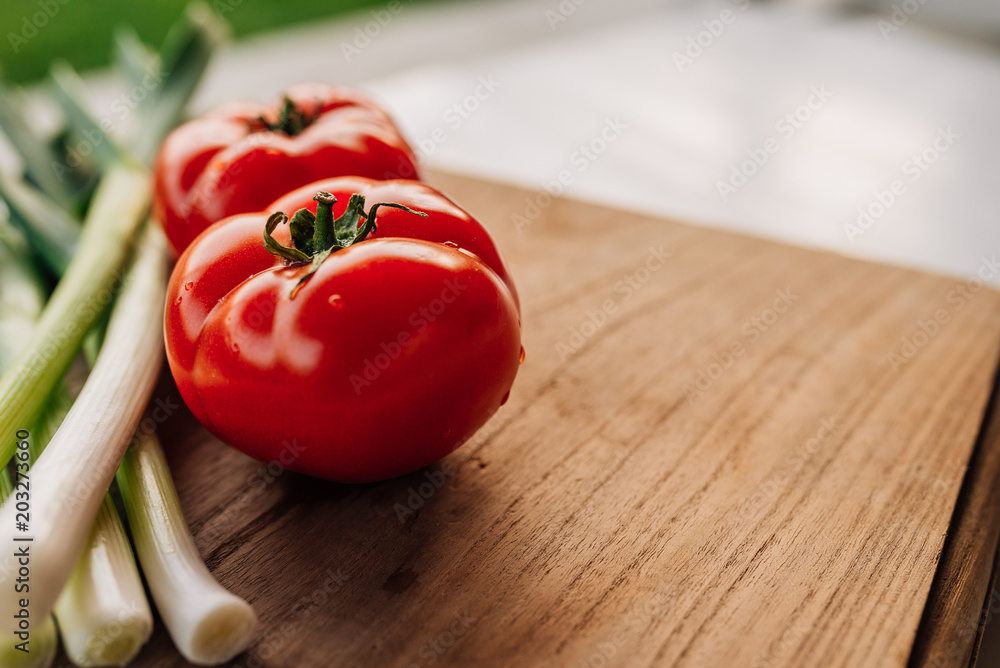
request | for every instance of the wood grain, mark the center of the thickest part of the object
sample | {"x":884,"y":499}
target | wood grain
{"x":961,"y":596}
{"x":790,"y":511}
{"x":991,"y":606}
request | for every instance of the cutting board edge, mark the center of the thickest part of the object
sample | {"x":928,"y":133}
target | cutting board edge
{"x":959,"y":595}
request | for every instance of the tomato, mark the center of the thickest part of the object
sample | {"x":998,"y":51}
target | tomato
{"x":242,"y":156}
{"x":447,"y":222}
{"x":368,"y":347}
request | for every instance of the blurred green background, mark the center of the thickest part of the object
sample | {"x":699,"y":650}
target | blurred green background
{"x":80,"y":30}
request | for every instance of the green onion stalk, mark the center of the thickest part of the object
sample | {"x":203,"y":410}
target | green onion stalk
{"x":86,"y":288}
{"x":70,"y":478}
{"x":103,"y":613}
{"x":22,"y":296}
{"x":207,"y":623}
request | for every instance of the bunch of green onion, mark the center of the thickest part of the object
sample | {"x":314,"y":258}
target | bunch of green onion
{"x":84,"y":579}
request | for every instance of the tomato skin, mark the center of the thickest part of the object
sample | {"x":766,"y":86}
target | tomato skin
{"x":388,"y":358}
{"x":227,"y":162}
{"x":446,"y":221}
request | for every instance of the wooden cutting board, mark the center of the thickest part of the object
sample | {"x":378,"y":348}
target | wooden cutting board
{"x":720,"y":451}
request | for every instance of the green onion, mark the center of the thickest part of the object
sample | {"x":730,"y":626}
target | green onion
{"x":208,"y":624}
{"x":70,"y":92}
{"x":118,"y":209}
{"x":43,"y":646}
{"x":21,"y":295}
{"x":186,"y":53}
{"x":70,"y":478}
{"x":44,"y":641}
{"x":133,"y":57}
{"x":21,"y":299}
{"x":103,"y":614}
{"x":104,"y":617}
{"x":36,"y":153}
{"x":53,"y":233}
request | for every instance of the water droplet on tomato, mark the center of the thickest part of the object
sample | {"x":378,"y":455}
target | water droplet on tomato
{"x":336,"y":301}
{"x":451,"y":244}
{"x":236,"y":347}
{"x":189,"y":285}
{"x":521,"y":360}
{"x":446,"y":434}
{"x":178,"y":300}
{"x":505,"y":398}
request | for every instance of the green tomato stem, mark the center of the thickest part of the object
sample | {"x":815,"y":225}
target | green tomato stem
{"x":324,"y":226}
{"x":316,"y":236}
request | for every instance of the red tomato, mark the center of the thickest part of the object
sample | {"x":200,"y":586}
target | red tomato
{"x":364,"y":364}
{"x":241,"y":156}
{"x":447,"y":222}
